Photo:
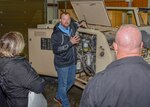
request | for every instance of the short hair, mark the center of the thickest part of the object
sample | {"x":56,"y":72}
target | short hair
{"x":64,"y":13}
{"x":11,"y":44}
{"x":125,"y":26}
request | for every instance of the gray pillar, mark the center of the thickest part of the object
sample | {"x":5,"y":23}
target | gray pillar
{"x":51,"y":11}
{"x":148,"y":3}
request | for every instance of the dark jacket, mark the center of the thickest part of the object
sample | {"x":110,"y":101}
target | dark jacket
{"x":17,"y":77}
{"x":145,"y":39}
{"x":3,"y":99}
{"x":64,"y":51}
{"x":124,"y":83}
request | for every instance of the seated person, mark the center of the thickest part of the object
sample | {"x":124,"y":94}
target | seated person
{"x":17,"y":77}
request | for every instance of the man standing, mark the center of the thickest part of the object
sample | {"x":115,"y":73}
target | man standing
{"x":126,"y":81}
{"x":63,"y":43}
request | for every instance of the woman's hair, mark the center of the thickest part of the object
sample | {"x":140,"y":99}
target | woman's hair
{"x":11,"y":44}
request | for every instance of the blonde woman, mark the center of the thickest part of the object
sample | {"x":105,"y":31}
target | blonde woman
{"x":17,"y":77}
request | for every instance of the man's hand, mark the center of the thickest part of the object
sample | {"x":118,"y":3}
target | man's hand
{"x":75,"y":39}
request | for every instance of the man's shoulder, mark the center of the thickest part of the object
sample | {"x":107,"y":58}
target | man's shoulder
{"x":74,"y":25}
{"x":97,"y":78}
{"x":57,"y":34}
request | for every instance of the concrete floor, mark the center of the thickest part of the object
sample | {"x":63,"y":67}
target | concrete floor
{"x":74,"y":94}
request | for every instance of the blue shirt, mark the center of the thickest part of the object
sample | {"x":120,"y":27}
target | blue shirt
{"x":65,"y":30}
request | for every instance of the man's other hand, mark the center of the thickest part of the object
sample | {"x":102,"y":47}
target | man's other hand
{"x":75,"y":39}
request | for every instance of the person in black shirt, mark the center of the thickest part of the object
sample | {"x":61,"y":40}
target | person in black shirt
{"x":126,"y":81}
{"x":17,"y":77}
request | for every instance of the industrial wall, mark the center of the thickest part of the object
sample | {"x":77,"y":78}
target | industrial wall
{"x":136,"y":3}
{"x":19,"y":15}
{"x":56,"y":6}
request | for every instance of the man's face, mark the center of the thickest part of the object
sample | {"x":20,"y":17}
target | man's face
{"x":65,"y":20}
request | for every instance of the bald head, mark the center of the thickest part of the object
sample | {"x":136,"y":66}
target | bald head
{"x":128,"y":41}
